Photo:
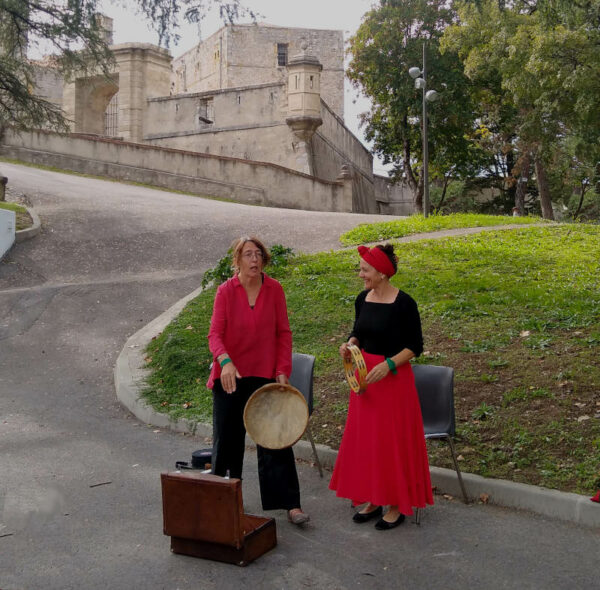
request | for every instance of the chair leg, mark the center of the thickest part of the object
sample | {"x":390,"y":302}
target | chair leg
{"x":312,"y":444}
{"x":418,"y":516}
{"x":460,"y":479}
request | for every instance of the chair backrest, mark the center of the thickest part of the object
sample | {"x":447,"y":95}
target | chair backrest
{"x":303,"y":366}
{"x":435,"y":386}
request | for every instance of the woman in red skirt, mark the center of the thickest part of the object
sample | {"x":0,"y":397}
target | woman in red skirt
{"x":382,"y":460}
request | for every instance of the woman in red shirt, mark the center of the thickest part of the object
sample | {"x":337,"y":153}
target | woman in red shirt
{"x":251,"y":343}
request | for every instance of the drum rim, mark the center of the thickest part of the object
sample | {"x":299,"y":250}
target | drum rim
{"x":290,"y":389}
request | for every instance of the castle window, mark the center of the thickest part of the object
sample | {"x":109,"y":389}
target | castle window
{"x":111,"y":117}
{"x":312,"y":79}
{"x":282,"y":54}
{"x":205,"y":112}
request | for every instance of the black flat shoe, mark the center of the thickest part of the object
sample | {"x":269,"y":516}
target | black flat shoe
{"x":358,"y":517}
{"x":384,"y":525}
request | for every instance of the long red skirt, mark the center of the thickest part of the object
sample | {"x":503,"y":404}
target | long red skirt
{"x":383,"y":456}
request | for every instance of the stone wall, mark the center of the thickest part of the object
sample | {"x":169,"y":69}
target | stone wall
{"x":268,"y":143}
{"x":211,"y":111}
{"x":244,"y":55}
{"x":235,"y":130}
{"x":203,"y":174}
{"x":335,"y":145}
{"x":393,"y":199}
{"x":202,"y":68}
{"x":48,"y":83}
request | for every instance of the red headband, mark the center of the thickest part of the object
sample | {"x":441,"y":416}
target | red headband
{"x":378,"y":259}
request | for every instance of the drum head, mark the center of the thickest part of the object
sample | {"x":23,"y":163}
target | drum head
{"x":276,"y":416}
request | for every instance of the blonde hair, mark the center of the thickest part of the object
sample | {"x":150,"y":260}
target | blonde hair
{"x":238,"y":245}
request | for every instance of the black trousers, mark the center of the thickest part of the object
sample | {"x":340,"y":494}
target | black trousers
{"x":277,"y":476}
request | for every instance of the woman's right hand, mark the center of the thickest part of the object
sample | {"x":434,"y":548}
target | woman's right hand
{"x":228,"y":375}
{"x":344,"y":352}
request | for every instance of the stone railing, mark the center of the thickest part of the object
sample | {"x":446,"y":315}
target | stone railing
{"x":244,"y":181}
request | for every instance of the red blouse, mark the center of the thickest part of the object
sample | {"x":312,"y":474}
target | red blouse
{"x":258,"y":340}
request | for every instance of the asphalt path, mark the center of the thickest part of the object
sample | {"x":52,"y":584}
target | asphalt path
{"x":80,"y":503}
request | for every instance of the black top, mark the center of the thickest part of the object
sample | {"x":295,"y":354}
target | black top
{"x":388,"y":328}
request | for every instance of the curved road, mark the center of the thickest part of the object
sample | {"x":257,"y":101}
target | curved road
{"x":80,"y":498}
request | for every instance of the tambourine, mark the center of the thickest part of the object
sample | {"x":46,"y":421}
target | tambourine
{"x":276,"y":416}
{"x":351,"y":367}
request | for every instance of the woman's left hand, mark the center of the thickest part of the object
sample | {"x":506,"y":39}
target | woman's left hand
{"x":282,"y":379}
{"x":377,"y":373}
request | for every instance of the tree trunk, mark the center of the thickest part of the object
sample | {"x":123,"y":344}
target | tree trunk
{"x":444,"y":191}
{"x":584,"y":188}
{"x":543,"y":189}
{"x":418,"y":195}
{"x":522,"y":183}
{"x":510,"y":164}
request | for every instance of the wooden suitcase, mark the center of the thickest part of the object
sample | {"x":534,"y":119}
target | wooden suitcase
{"x":204,"y":516}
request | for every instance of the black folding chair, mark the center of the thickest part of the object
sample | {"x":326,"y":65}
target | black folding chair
{"x":303,"y":366}
{"x":435,"y":386}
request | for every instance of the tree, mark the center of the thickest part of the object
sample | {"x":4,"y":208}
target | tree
{"x":538,"y":59}
{"x":74,"y":32}
{"x":388,"y":42}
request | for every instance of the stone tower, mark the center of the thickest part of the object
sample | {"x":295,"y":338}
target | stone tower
{"x":304,"y":95}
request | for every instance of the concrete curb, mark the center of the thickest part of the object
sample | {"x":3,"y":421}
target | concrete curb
{"x":30,"y":232}
{"x":129,"y":376}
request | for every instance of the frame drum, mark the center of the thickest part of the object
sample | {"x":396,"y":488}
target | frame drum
{"x":276,"y":416}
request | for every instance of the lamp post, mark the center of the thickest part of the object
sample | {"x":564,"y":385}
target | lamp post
{"x":420,"y":77}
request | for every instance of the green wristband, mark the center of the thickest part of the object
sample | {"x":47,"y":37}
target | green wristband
{"x":392,"y":365}
{"x":224,"y":361}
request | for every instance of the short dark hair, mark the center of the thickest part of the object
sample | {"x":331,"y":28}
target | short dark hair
{"x":388,"y":250}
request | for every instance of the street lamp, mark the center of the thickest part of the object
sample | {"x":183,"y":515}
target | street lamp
{"x":420,"y":77}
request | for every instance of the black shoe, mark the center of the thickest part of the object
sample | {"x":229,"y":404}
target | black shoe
{"x":358,"y":517}
{"x":384,"y":525}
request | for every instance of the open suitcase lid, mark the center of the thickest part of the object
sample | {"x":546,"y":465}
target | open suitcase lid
{"x":203,"y":507}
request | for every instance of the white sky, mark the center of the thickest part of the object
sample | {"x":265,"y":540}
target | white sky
{"x":342,"y":15}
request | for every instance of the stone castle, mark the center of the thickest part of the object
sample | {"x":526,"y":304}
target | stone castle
{"x":257,"y":93}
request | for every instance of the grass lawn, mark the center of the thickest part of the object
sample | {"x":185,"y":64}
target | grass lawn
{"x":417,"y":224}
{"x":23,"y":219}
{"x":514,"y":312}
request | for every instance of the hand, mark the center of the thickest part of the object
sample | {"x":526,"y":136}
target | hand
{"x":228,"y":376}
{"x":344,"y":352}
{"x":282,"y":380}
{"x":377,"y":373}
